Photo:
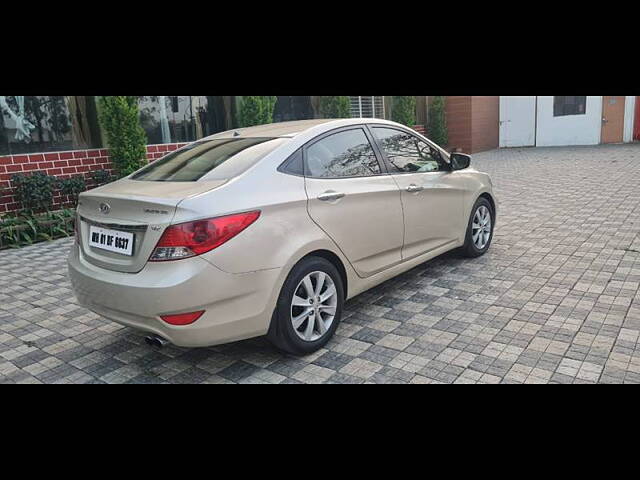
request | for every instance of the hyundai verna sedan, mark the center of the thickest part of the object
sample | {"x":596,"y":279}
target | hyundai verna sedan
{"x":269,"y":229}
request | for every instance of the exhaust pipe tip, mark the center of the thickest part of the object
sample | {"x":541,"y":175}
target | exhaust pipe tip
{"x":155,"y":341}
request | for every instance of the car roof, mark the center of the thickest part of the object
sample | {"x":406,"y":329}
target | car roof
{"x":294,"y":128}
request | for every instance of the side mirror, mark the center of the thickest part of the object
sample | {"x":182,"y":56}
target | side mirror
{"x":459,"y":161}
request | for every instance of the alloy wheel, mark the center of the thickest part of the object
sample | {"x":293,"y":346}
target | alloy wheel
{"x":481,"y":227}
{"x":313,"y":306}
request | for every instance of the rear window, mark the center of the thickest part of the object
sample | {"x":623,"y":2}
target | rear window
{"x":217,"y":159}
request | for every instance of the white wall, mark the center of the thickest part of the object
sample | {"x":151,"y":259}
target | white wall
{"x":568,"y":129}
{"x":629,"y":109}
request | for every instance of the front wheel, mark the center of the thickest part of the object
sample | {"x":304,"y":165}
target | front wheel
{"x":309,"y":307}
{"x":479,"y":229}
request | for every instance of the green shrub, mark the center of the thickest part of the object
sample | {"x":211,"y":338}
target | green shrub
{"x":33,"y":192}
{"x":100,"y":177}
{"x":437,"y":129}
{"x":28,"y":228}
{"x":127,"y":141}
{"x":335,"y":107}
{"x":256,"y":111}
{"x":72,"y":186}
{"x":404,"y":110}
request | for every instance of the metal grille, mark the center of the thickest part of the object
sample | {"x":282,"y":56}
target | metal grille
{"x":367,"y":107}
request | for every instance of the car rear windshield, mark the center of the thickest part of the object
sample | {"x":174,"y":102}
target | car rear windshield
{"x":217,"y":159}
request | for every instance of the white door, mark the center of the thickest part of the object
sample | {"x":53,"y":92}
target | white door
{"x":517,"y":121}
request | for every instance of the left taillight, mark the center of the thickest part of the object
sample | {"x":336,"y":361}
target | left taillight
{"x":189,"y":239}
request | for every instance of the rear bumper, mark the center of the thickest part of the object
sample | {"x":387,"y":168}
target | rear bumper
{"x":236,"y":306}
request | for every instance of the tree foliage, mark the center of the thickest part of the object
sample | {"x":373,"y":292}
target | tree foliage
{"x":126,"y":139}
{"x":256,"y":111}
{"x":335,"y":107}
{"x":437,"y":129}
{"x":404,"y":110}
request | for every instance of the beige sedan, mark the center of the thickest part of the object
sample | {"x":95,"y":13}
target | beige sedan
{"x":269,"y":229}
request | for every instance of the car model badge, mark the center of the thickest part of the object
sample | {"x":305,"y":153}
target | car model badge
{"x":104,"y":208}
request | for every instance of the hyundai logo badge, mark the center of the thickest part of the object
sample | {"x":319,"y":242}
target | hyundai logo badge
{"x":104,"y":208}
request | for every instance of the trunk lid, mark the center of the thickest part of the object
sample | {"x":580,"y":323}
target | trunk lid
{"x":140,"y":209}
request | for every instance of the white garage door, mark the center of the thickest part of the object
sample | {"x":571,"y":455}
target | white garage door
{"x":517,"y":121}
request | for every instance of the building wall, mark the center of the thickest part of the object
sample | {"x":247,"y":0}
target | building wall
{"x":569,"y":129}
{"x":485,"y":120}
{"x":472,"y":122}
{"x":62,"y":165}
{"x":573,"y":129}
{"x":421,"y":110}
{"x":458,"y":114}
{"x":629,"y":115}
{"x":636,"y":128}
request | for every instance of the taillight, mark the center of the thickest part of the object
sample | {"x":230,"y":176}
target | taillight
{"x":195,"y":238}
{"x":182,"y":318}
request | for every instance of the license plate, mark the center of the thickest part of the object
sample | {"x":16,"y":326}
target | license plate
{"x":111,"y":240}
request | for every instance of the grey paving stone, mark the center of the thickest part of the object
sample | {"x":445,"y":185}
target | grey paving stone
{"x":555,"y":300}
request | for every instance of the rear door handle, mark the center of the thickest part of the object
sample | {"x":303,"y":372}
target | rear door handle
{"x":330,"y":195}
{"x":414,"y":188}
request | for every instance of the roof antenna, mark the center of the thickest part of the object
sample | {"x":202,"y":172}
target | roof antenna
{"x":236,"y":134}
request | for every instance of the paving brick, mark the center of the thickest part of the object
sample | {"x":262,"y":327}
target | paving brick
{"x":555,"y":300}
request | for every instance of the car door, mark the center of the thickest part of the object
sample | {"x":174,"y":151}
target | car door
{"x":431,"y":194}
{"x":353,"y":199}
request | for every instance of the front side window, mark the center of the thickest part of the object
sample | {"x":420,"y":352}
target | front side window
{"x":219,"y":159}
{"x":569,"y":106}
{"x":343,"y":154}
{"x":407,"y":153}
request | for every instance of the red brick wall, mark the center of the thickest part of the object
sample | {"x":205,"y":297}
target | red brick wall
{"x":472,"y":123}
{"x":458,"y":114}
{"x":62,"y":165}
{"x":420,"y":129}
{"x":485,"y":121}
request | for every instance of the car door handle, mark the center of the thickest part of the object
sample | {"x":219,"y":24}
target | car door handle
{"x":330,"y":195}
{"x":414,"y":188}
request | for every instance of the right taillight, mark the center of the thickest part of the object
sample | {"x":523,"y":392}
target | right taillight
{"x":195,"y":238}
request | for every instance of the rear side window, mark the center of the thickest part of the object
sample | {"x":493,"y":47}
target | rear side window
{"x":343,"y":154}
{"x":218,"y":159}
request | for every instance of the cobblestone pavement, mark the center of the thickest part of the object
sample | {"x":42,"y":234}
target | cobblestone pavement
{"x":556,"y":300}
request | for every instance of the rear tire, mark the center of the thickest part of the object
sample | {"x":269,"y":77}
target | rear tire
{"x":479,"y":229}
{"x":309,"y":307}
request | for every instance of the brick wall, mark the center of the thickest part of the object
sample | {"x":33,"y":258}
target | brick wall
{"x":420,"y":129}
{"x":485,"y":121}
{"x":62,"y":165}
{"x":472,"y":123}
{"x":458,"y":114}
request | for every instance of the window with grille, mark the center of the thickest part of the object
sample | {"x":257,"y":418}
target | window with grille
{"x":569,"y":106}
{"x":367,"y":107}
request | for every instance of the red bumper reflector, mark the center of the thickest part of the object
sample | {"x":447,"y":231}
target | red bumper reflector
{"x":182,"y":318}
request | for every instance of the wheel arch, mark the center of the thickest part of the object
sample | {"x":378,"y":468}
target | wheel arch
{"x":335,"y":261}
{"x":491,"y":200}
